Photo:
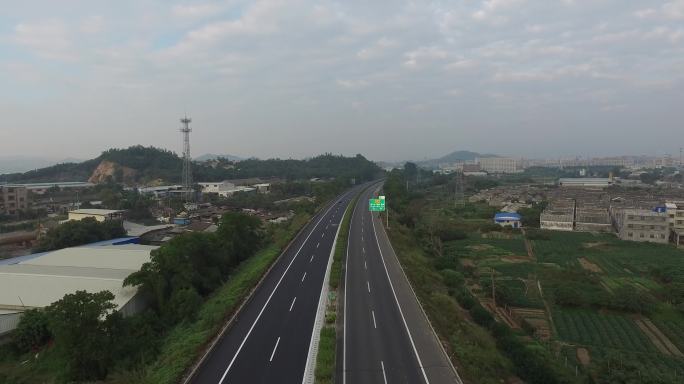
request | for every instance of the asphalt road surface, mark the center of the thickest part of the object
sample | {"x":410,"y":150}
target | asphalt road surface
{"x":387,"y":337}
{"x":269,"y":341}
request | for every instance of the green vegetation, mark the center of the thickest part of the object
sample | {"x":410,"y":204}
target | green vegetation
{"x":610,"y":309}
{"x":73,"y":233}
{"x":183,"y":343}
{"x":152,"y":164}
{"x":194,"y":283}
{"x":327,"y":348}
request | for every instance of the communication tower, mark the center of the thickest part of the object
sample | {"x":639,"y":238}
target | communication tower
{"x":187,"y":160}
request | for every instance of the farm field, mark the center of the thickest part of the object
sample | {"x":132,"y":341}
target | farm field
{"x":599,"y":266}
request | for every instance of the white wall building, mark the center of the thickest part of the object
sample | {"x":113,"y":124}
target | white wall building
{"x":97,"y":214}
{"x":40,"y":281}
{"x":499,"y":165}
{"x":227,"y":189}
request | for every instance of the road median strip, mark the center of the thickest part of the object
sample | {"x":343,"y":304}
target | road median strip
{"x":327,"y":341}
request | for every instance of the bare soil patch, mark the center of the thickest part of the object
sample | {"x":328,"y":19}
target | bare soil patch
{"x":589,"y":266}
{"x":583,"y":356}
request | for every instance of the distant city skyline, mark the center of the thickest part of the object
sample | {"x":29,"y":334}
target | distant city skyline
{"x":392,"y":80}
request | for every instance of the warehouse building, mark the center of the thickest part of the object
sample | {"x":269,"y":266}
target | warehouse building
{"x":592,"y":219}
{"x":559,"y":216}
{"x":39,"y":280}
{"x":585,"y":182}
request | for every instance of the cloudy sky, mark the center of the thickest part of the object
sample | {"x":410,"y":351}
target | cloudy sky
{"x":388,"y":79}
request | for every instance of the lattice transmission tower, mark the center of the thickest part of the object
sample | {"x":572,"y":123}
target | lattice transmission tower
{"x":459,"y":193}
{"x":187,"y":160}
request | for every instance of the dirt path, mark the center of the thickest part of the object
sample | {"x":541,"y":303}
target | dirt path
{"x":662,"y":337}
{"x":658,"y":339}
{"x":589,"y":266}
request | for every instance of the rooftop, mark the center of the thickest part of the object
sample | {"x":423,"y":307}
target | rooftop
{"x":46,"y":278}
{"x":96,"y":212}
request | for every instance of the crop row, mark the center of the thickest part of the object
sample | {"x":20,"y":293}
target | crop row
{"x":602,"y":330}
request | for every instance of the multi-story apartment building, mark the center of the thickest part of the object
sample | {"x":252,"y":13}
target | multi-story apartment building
{"x":642,"y":225}
{"x":12,"y":199}
{"x":499,"y":165}
{"x":675,"y":217}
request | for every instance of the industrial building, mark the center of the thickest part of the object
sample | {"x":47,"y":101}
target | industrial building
{"x":36,"y":281}
{"x":162,"y":190}
{"x":42,"y":188}
{"x":499,"y":165}
{"x":13,"y":198}
{"x":594,"y":218}
{"x":586,"y":182}
{"x":559,"y":215}
{"x":227,"y":188}
{"x":100,"y":215}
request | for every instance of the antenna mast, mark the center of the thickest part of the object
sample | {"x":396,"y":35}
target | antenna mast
{"x":187,"y":160}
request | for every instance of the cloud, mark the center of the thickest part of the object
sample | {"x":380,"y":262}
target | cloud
{"x":423,"y":56}
{"x":195,"y":10}
{"x":673,"y":10}
{"x":376,"y":49}
{"x":48,"y":39}
{"x":314,"y":65}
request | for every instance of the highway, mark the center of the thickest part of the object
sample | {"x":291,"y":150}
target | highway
{"x":269,"y":341}
{"x":387,"y":337}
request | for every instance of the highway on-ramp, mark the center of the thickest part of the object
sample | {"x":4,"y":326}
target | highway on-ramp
{"x":269,"y":340}
{"x":387,"y":336}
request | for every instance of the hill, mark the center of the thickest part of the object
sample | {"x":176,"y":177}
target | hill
{"x":141,"y":165}
{"x":453,"y":157}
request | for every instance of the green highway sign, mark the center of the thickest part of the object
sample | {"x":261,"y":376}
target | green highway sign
{"x":377,"y":205}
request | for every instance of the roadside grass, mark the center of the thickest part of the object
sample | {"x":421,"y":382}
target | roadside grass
{"x":26,"y":369}
{"x":185,"y":342}
{"x":327,"y":347}
{"x":472,"y":349}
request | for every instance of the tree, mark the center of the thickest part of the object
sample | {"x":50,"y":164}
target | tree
{"x":73,"y":233}
{"x":82,"y":326}
{"x":241,"y":234}
{"x":32,"y":331}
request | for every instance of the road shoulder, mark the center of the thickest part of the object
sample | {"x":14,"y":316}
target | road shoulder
{"x":437,"y":365}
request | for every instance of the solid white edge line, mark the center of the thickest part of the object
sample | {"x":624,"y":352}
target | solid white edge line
{"x":458,"y":377}
{"x":244,"y":340}
{"x":292,"y":305}
{"x":310,"y":367}
{"x":274,"y":349}
{"x":382,"y":257}
{"x":384,"y":377}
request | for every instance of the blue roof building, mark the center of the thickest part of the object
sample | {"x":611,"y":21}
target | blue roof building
{"x":507,"y":219}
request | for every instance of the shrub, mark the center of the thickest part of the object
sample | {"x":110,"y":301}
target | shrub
{"x":481,"y":316}
{"x":465,"y":300}
{"x":32,"y":331}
